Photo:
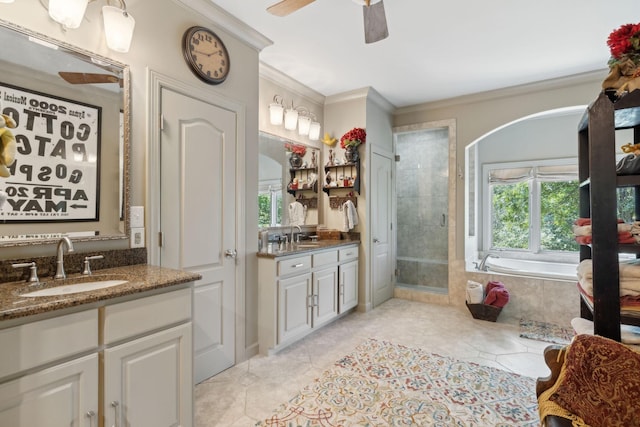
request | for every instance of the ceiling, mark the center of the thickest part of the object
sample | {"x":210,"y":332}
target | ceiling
{"x":436,"y":49}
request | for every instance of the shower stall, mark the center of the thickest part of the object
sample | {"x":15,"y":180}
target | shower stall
{"x":422,"y":206}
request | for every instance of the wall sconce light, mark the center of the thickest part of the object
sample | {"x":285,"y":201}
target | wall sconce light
{"x":290,"y":118}
{"x":118,"y":23}
{"x":304,"y":123}
{"x":294,"y":117}
{"x":276,"y":111}
{"x":314,"y":131}
{"x":69,"y":13}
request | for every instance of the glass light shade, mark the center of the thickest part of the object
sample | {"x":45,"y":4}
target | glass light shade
{"x":304,"y":123}
{"x":290,"y":119}
{"x":276,"y":112}
{"x":118,"y":28}
{"x":68,"y":12}
{"x":314,"y":131}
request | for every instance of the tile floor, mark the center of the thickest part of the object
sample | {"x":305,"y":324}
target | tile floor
{"x":250,"y":391}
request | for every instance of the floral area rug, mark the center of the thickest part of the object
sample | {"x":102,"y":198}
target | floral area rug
{"x":547,"y":332}
{"x":385,"y":384}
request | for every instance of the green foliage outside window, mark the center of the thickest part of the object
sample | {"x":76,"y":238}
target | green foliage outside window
{"x":264,"y":210}
{"x":510,"y":215}
{"x":559,"y":203}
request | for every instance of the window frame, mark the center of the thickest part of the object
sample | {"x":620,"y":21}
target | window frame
{"x":534,"y":250}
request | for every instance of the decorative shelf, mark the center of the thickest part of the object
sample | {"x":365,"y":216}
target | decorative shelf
{"x":334,"y":170}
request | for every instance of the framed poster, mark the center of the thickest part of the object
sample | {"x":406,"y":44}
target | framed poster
{"x":56,"y":174}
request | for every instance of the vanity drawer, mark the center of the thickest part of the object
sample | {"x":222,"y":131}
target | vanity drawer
{"x":294,"y":265}
{"x":323,"y":258}
{"x":347,"y":254}
{"x":141,"y":316}
{"x":37,"y":343}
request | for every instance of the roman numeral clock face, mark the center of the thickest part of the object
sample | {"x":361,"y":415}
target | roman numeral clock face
{"x":206,"y":55}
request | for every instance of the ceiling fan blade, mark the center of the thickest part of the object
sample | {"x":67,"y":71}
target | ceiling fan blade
{"x":375,"y":23}
{"x":87,"y":78}
{"x":285,"y":7}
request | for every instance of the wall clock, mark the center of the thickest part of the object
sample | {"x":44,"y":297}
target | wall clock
{"x":206,"y":55}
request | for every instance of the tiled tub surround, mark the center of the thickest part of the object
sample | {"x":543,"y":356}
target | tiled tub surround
{"x":140,"y":278}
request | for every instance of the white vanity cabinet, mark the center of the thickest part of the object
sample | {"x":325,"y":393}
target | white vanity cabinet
{"x":299,"y":293}
{"x":348,"y":278}
{"x":148,"y":362}
{"x":50,"y":371}
{"x":123,"y":364}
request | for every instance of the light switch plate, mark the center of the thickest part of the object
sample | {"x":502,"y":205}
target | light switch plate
{"x":136,"y":216}
{"x":137,"y":238}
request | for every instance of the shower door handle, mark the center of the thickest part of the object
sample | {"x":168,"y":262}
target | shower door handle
{"x":443,"y":221}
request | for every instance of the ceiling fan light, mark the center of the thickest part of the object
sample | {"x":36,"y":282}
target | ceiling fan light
{"x":276,"y":113}
{"x":304,"y":124}
{"x":290,"y":118}
{"x":314,"y":131}
{"x":69,"y":13}
{"x":118,"y":28}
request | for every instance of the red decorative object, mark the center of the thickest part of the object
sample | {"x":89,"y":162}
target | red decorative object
{"x":353,"y":138}
{"x":298,"y":149}
{"x":624,"y":43}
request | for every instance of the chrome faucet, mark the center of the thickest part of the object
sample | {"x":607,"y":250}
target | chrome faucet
{"x":64,"y":241}
{"x":483,"y":264}
{"x":299,"y":231}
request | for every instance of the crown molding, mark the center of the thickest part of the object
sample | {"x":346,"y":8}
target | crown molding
{"x":560,"y":82}
{"x":228,"y":22}
{"x":267,"y":72}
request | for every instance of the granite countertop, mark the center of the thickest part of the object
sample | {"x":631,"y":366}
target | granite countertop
{"x":141,"y":278}
{"x":307,"y":246}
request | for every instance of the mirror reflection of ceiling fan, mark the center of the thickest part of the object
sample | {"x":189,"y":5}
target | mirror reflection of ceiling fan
{"x":375,"y":22}
{"x":89,"y":78}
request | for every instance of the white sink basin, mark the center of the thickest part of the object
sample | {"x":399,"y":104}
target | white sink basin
{"x":76,"y":288}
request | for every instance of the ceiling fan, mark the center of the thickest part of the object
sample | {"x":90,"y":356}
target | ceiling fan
{"x":375,"y":22}
{"x":88,"y":78}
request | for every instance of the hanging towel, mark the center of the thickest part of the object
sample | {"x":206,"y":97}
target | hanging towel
{"x":350,"y":215}
{"x":296,"y":213}
{"x":475,"y":293}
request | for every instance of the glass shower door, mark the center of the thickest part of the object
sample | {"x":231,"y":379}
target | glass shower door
{"x":422,"y":191}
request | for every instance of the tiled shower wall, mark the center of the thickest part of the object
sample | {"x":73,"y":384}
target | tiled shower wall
{"x":422,"y":208}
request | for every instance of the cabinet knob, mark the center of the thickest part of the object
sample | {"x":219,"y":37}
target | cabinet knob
{"x":116,"y":413}
{"x":92,"y":416}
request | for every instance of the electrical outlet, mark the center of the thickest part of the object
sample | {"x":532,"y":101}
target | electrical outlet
{"x":137,"y":238}
{"x":136,"y":216}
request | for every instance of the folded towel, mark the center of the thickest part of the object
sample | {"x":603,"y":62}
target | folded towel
{"x":629,"y":334}
{"x":497,"y":297}
{"x":296,"y":213}
{"x":475,"y":293}
{"x":350,"y":215}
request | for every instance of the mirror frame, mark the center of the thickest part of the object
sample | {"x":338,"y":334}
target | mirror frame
{"x":107,"y":64}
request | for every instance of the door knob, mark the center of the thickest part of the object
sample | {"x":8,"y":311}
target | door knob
{"x":376,"y":240}
{"x":230,"y":253}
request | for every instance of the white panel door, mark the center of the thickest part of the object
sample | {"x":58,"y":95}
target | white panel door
{"x":381,"y":237}
{"x":63,"y":395}
{"x":198,"y":219}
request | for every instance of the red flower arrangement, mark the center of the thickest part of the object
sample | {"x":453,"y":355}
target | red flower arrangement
{"x":624,"y":44}
{"x":353,"y":138}
{"x":298,"y":149}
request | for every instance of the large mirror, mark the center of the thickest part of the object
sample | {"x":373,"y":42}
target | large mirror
{"x":275,"y":177}
{"x":71,"y":111}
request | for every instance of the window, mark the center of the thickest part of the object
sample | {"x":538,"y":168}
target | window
{"x":269,"y":207}
{"x":531,"y":207}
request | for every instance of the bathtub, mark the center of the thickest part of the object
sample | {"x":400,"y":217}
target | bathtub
{"x":521,"y":267}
